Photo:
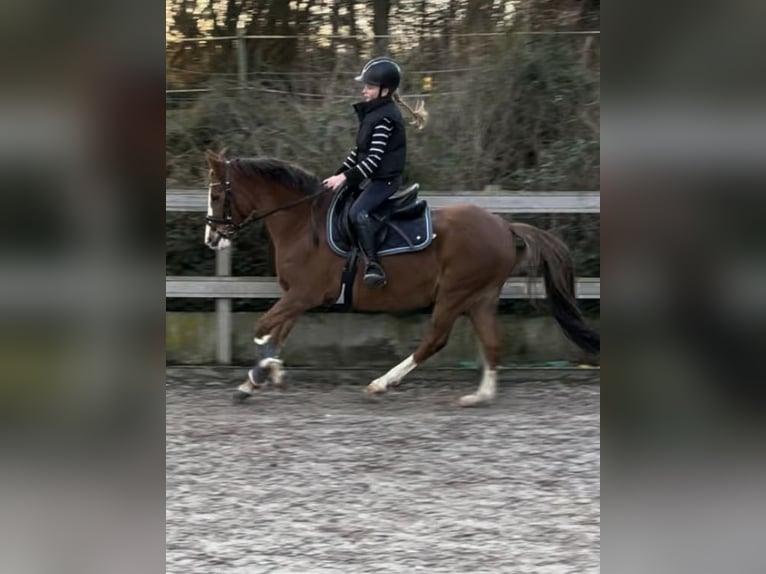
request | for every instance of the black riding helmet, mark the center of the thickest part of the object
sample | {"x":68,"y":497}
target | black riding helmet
{"x":382,"y":72}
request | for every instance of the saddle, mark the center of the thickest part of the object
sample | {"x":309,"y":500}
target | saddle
{"x":404,"y":223}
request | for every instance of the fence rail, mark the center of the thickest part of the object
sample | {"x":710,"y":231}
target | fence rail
{"x":509,"y":202}
{"x":268,"y":288}
{"x":223,"y":288}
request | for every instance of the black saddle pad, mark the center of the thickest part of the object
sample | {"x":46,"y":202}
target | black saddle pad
{"x":404,"y":225}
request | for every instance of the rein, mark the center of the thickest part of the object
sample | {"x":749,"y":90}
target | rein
{"x":232,"y":227}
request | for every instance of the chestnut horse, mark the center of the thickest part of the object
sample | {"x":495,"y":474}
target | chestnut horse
{"x":460,"y":273}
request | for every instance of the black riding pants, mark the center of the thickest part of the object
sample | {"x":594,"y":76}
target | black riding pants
{"x":373,"y":196}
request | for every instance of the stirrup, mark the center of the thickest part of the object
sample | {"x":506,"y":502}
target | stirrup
{"x":374,"y":276}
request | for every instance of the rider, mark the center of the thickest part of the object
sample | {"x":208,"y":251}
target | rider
{"x":379,"y":155}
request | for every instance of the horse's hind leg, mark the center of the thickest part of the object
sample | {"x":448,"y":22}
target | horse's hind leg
{"x":442,"y":320}
{"x":483,"y":316}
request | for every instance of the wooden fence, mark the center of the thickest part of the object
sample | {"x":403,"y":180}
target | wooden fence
{"x":224,"y":288}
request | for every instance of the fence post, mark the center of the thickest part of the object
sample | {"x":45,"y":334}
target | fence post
{"x":223,"y":310}
{"x":241,"y":57}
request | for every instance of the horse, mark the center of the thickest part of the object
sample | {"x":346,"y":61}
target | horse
{"x":461,"y":272}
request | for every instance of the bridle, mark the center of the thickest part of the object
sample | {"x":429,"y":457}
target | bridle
{"x":229,"y":228}
{"x":225,"y":225}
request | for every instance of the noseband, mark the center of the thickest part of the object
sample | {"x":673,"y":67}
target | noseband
{"x":229,"y":227}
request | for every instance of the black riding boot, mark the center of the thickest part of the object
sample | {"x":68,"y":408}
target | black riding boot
{"x":374,"y":276}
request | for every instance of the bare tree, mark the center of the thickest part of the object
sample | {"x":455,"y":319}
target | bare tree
{"x":381,"y":8}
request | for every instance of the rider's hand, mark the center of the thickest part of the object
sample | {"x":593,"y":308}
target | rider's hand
{"x":335,"y":181}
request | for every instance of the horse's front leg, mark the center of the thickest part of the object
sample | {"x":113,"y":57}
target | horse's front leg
{"x":269,"y":365}
{"x":271,"y":331}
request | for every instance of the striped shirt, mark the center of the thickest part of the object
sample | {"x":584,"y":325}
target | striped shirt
{"x":370,"y":164}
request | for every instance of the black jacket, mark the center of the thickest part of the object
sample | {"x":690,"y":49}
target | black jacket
{"x":380,"y":116}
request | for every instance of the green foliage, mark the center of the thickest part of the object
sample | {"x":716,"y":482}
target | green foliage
{"x":186,"y":253}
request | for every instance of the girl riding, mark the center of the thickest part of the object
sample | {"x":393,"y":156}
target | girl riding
{"x":377,"y":161}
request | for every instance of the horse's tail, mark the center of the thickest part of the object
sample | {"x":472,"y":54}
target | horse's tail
{"x":547,"y":252}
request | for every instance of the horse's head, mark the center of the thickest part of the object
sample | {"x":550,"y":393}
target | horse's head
{"x":280,"y":186}
{"x":221,"y":221}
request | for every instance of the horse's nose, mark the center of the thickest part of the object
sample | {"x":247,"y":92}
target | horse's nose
{"x":216,"y":243}
{"x":212,"y":240}
{"x":210,"y":236}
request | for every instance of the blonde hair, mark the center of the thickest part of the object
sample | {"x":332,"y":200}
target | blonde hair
{"x":419,"y":114}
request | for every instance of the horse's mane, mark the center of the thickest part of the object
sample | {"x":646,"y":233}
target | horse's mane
{"x":280,"y":171}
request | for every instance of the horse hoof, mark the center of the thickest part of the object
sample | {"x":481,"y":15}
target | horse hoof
{"x":375,"y":388}
{"x":244,"y":391}
{"x":238,"y":397}
{"x":474,"y":400}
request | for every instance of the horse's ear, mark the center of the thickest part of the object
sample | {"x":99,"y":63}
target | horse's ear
{"x":213,"y":159}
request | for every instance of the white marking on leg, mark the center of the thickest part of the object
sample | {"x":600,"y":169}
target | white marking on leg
{"x":248,"y":385}
{"x":208,"y":229}
{"x":277,"y":373}
{"x":488,"y":386}
{"x":262,"y":340}
{"x":486,"y":391}
{"x":274,"y":366}
{"x":380,"y":385}
{"x":269,"y":361}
